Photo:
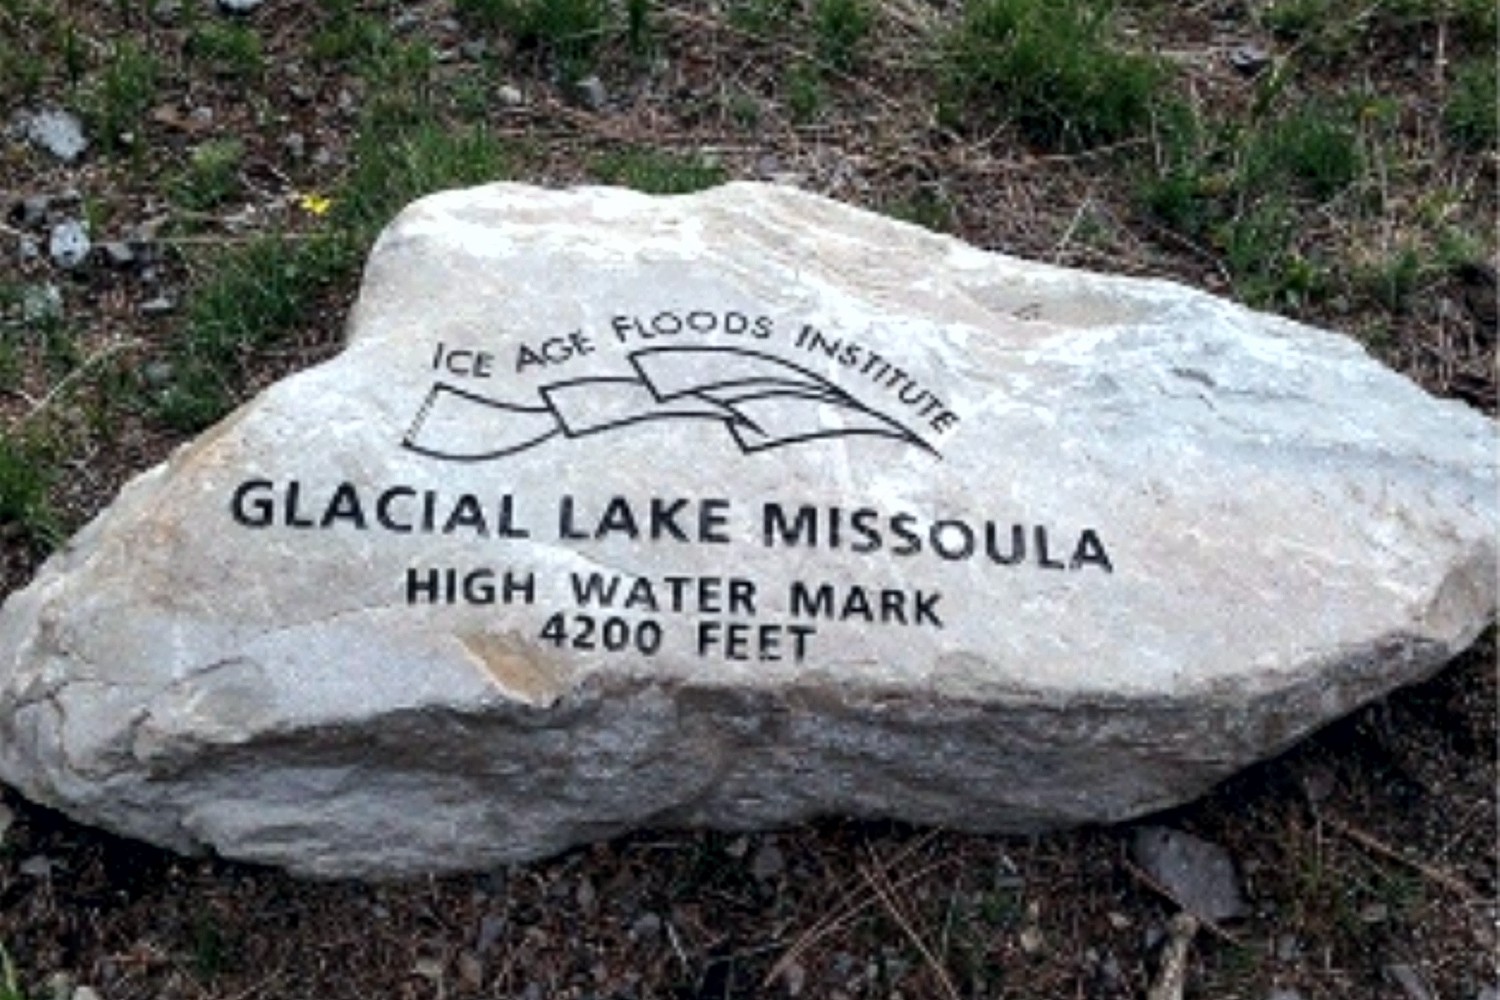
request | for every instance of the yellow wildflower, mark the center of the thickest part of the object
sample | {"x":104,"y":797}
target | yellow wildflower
{"x":315,"y":203}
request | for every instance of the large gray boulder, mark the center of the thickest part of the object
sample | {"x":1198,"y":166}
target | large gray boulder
{"x":736,"y":509}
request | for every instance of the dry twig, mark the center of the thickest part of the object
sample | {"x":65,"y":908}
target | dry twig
{"x":1447,"y":880}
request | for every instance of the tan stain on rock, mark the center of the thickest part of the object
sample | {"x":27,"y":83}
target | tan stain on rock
{"x":514,"y":667}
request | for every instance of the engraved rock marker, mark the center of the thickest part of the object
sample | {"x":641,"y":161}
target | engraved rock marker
{"x":735,"y":509}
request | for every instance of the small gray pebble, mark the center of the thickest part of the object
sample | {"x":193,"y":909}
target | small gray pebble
{"x":591,"y":93}
{"x":1199,"y":874}
{"x":586,"y":897}
{"x":295,"y":145}
{"x":448,"y":25}
{"x":474,"y":50}
{"x":58,"y":132}
{"x":510,"y":96}
{"x":1249,"y":60}
{"x":29,"y":249}
{"x":491,"y":929}
{"x":159,"y":306}
{"x":60,"y":986}
{"x":31,"y":211}
{"x":300,"y":92}
{"x":646,"y":928}
{"x":117,"y":253}
{"x":158,"y":373}
{"x":36,"y":866}
{"x":406,"y":20}
{"x":165,"y":11}
{"x":1410,"y":980}
{"x":1283,"y":994}
{"x":239,"y":6}
{"x":69,"y":244}
{"x":767,"y":863}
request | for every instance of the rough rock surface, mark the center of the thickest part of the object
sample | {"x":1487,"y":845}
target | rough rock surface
{"x":58,"y":132}
{"x":69,"y":244}
{"x":890,"y":526}
{"x":1199,"y":874}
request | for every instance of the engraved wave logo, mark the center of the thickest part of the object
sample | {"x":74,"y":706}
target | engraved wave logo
{"x":762,"y":401}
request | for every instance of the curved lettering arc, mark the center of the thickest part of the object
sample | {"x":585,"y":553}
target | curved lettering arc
{"x":764,"y":402}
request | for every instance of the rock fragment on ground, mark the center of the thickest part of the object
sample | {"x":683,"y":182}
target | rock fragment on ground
{"x":58,"y":132}
{"x":37,"y":866}
{"x":732,"y":510}
{"x":1199,"y":874}
{"x":1249,"y":59}
{"x":118,"y":253}
{"x":30,"y":212}
{"x":591,"y":93}
{"x":1412,"y":983}
{"x":69,"y":244}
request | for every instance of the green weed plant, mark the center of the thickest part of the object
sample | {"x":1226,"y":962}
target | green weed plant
{"x":1049,"y":67}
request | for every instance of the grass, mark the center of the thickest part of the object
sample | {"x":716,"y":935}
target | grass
{"x":211,"y":175}
{"x":1245,"y":189}
{"x":806,"y":93}
{"x":394,"y":168}
{"x":1324,"y":32}
{"x":839,"y":28}
{"x":1050,"y":68}
{"x":26,"y":474}
{"x":348,"y":36}
{"x":1312,"y":149}
{"x":1470,"y":114}
{"x":760,"y":19}
{"x":255,"y":294}
{"x":258,"y":292}
{"x":640,"y":28}
{"x":10,"y":987}
{"x":232,"y":50}
{"x":928,"y":207}
{"x":568,"y":32}
{"x":125,"y":90}
{"x":656,"y":172}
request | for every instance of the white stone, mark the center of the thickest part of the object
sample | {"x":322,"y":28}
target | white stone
{"x":58,"y":132}
{"x":69,"y":244}
{"x":1251,"y":528}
